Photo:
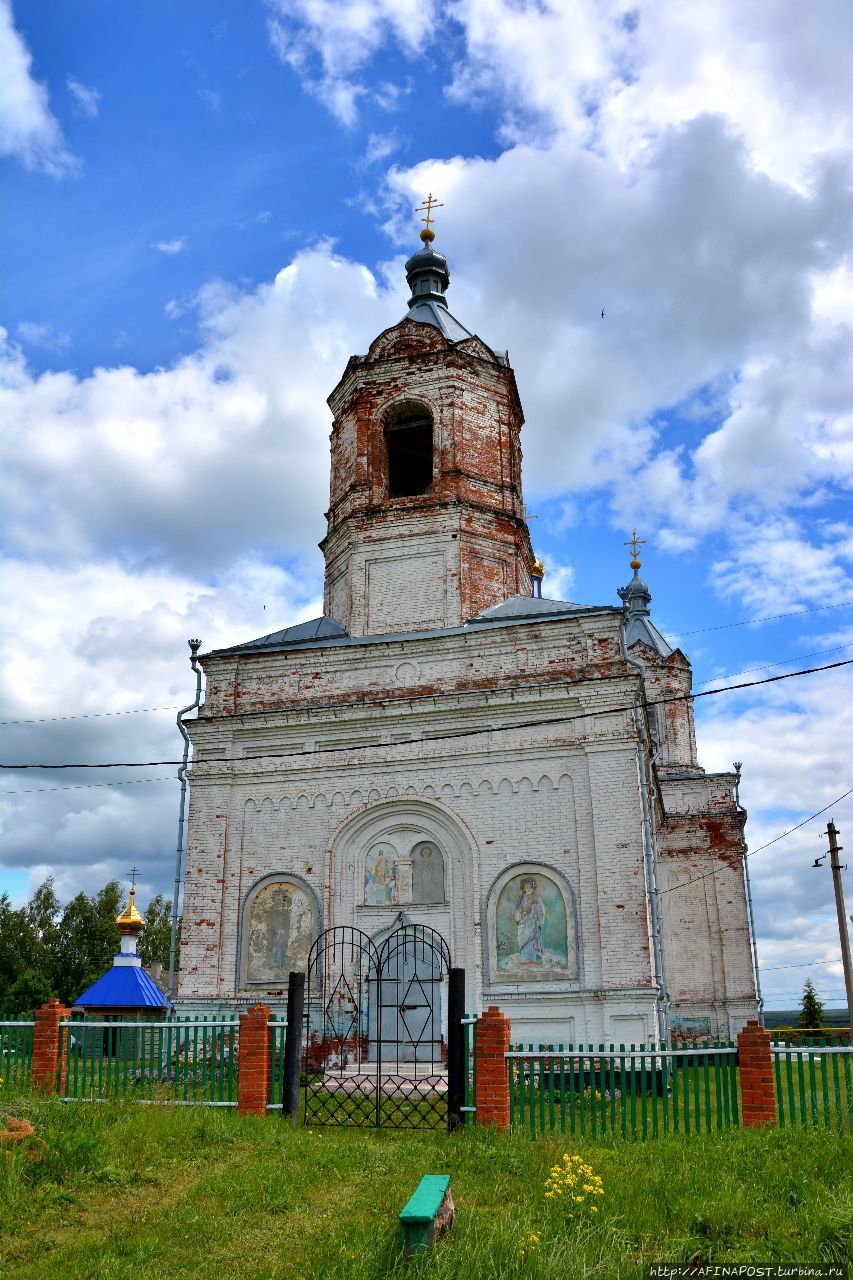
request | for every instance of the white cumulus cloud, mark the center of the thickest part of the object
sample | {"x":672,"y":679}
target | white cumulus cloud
{"x":29,"y":131}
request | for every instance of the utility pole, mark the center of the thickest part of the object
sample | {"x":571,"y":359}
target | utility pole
{"x":835,"y":864}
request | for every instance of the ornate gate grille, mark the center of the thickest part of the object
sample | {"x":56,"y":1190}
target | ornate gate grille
{"x":374,"y":1045}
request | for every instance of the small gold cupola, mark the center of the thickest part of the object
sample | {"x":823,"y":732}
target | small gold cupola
{"x":130,"y":922}
{"x":537,"y":573}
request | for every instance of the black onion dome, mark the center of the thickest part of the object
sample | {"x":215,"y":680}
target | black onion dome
{"x":427,"y":275}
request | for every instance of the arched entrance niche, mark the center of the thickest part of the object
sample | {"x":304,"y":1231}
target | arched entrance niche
{"x":407,"y":996}
{"x":412,"y":856}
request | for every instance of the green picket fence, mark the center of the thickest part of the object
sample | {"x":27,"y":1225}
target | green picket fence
{"x":813,"y":1085}
{"x":469,"y":1031}
{"x":174,"y":1060}
{"x":16,"y":1049}
{"x":633,"y":1092}
{"x":278,"y":1034}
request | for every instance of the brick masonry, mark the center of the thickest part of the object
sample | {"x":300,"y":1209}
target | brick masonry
{"x":397,"y":564}
{"x":498,"y":744}
{"x":45,"y":1073}
{"x":758,"y":1099}
{"x":492,"y":1094}
{"x":253,"y":1077}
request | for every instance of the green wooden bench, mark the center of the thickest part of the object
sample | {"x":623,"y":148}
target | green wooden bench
{"x":428,"y":1213}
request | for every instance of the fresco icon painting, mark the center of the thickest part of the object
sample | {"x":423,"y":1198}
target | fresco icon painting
{"x":380,"y":876}
{"x":281,"y":925}
{"x":531,"y":929}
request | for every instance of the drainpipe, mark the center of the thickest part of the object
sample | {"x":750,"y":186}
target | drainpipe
{"x":644,"y":763}
{"x":753,"y":951}
{"x":195,"y":645}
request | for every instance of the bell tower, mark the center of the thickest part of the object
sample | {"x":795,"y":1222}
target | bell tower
{"x":426,"y":523}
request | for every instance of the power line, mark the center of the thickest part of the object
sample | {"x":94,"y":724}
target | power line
{"x":464,"y":733}
{"x":806,"y":964}
{"x":761,"y":847}
{"x":84,"y":786}
{"x":770,"y":617}
{"x":798,"y":995}
{"x":835,"y":995}
{"x":730,"y":675}
{"x":676,"y":635}
{"x":80,"y":786}
{"x":782,"y":995}
{"x":93,"y":715}
{"x":783,"y":662}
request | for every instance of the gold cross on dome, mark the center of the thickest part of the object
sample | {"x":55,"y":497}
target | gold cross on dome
{"x":429,"y":204}
{"x":635,"y":543}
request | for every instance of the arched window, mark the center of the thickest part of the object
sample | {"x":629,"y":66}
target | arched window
{"x":408,"y":439}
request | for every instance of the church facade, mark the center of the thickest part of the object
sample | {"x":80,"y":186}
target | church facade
{"x":445,"y":747}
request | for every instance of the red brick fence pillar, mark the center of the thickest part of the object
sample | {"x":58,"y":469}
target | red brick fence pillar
{"x":253,"y":1075}
{"x":492,"y":1042}
{"x":758,"y":1100}
{"x":46,"y":1047}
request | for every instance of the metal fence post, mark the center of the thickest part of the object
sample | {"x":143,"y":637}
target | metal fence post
{"x":457,"y":1067}
{"x":293,"y":1046}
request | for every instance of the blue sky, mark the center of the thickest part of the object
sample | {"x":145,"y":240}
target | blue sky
{"x":207,"y":210}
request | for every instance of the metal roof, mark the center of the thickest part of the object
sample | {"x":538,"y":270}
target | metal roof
{"x":638,"y":625}
{"x":127,"y":986}
{"x":643,"y":629}
{"x":529,"y":607}
{"x":302,"y":633}
{"x":328,"y":634}
{"x":427,"y":311}
{"x":429,"y":278}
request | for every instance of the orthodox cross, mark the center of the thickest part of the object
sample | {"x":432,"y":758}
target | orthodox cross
{"x":635,"y":543}
{"x":429,"y":204}
{"x":133,"y":873}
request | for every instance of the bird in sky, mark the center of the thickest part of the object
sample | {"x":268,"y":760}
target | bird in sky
{"x":602,"y":313}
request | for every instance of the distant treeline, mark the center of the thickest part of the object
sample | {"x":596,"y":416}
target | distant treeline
{"x":790,"y":1017}
{"x":47,"y":949}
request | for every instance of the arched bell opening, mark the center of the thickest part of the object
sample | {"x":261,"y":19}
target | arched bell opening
{"x":408,"y":433}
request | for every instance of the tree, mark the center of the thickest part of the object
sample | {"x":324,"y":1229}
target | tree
{"x":811,"y":1009}
{"x":26,"y":937}
{"x":43,"y":912}
{"x":87,"y":940}
{"x":156,"y":937}
{"x":28,"y":992}
{"x":48,"y":950}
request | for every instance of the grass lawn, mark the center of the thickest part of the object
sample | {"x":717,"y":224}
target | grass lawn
{"x":123,"y":1190}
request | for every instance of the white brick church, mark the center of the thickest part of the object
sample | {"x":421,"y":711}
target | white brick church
{"x":444,"y":747}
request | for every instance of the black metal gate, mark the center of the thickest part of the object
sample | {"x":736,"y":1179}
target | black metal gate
{"x":375,"y":1048}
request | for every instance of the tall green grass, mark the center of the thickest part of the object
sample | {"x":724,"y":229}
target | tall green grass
{"x":123,"y":1191}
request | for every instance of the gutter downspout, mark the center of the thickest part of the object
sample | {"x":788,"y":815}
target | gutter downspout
{"x":650,"y":858}
{"x":753,"y":951}
{"x":195,"y":645}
